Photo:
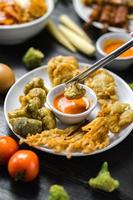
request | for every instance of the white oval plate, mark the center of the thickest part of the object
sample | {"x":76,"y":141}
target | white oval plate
{"x":85,"y":11}
{"x":11,"y":102}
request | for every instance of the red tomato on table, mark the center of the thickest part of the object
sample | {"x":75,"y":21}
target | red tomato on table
{"x":8,"y":146}
{"x":24,"y":165}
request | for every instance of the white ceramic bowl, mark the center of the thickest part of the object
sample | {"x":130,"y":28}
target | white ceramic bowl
{"x":15,"y":34}
{"x":71,"y":118}
{"x":119,"y":63}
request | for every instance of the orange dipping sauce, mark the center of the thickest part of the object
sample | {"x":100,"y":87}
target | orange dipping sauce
{"x":68,"y":106}
{"x":111,"y":45}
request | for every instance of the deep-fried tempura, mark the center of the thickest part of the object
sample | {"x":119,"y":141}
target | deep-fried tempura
{"x":62,"y":69}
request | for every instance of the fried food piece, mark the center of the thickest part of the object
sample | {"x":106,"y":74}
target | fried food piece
{"x":47,"y":117}
{"x":24,"y":126}
{"x":103,"y":85}
{"x":34,"y":93}
{"x":37,"y":8}
{"x":18,"y":113}
{"x":86,"y":139}
{"x":61,"y":69}
{"x":32,"y":107}
{"x":74,"y":91}
{"x":36,"y":82}
{"x":126,"y":118}
{"x":118,"y":114}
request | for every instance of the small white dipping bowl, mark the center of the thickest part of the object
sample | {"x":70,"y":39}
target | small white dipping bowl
{"x":71,"y":118}
{"x":119,"y":63}
{"x":18,"y":33}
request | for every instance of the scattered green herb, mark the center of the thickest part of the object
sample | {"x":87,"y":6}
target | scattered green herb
{"x":104,"y":180}
{"x":33,"y":58}
{"x":57,"y":192}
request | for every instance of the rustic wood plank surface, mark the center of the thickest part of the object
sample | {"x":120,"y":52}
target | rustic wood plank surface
{"x":74,"y":173}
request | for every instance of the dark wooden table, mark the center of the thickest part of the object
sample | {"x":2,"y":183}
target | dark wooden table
{"x":74,"y":173}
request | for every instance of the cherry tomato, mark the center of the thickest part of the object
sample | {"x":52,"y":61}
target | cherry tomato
{"x":24,"y":165}
{"x":8,"y":146}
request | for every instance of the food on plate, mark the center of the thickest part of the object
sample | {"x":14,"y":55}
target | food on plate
{"x":47,"y":118}
{"x":21,"y":11}
{"x":37,"y":126}
{"x":35,"y":83}
{"x":103,"y":84}
{"x":86,"y":139}
{"x":74,"y":91}
{"x":118,"y":114}
{"x":112,"y":45}
{"x":78,"y":42}
{"x":109,"y":13}
{"x":56,"y":33}
{"x":68,"y":22}
{"x":24,"y":126}
{"x":115,"y":2}
{"x":104,"y":180}
{"x":37,"y":94}
{"x":94,"y":16}
{"x":20,"y":112}
{"x":24,"y":165}
{"x":7,"y":78}
{"x":57,"y":192}
{"x":32,"y":117}
{"x":71,"y":106}
{"x":33,"y":58}
{"x":8,"y":146}
{"x":62,"y":69}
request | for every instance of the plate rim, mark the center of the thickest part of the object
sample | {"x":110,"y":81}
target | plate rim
{"x":73,"y":154}
{"x":96,"y":24}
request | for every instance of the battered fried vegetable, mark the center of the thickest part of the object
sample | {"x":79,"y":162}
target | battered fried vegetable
{"x":74,"y":91}
{"x":103,"y":84}
{"x":62,"y":69}
{"x":24,"y":126}
{"x":33,"y":58}
{"x":36,"y":82}
{"x":118,"y":115}
{"x":104,"y":180}
{"x":32,"y":107}
{"x":86,"y":139}
{"x":34,"y":93}
{"x":57,"y":192}
{"x":18,"y":113}
{"x":47,"y":118}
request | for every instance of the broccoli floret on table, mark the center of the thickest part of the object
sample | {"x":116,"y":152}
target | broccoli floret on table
{"x":104,"y":180}
{"x":33,"y":58}
{"x":57,"y":192}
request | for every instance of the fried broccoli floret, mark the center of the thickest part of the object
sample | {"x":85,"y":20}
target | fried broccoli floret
{"x":33,"y":58}
{"x":21,"y":112}
{"x":57,"y":192}
{"x":24,"y":126}
{"x":74,"y":91}
{"x":36,"y":82}
{"x":103,"y":180}
{"x":47,"y":117}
